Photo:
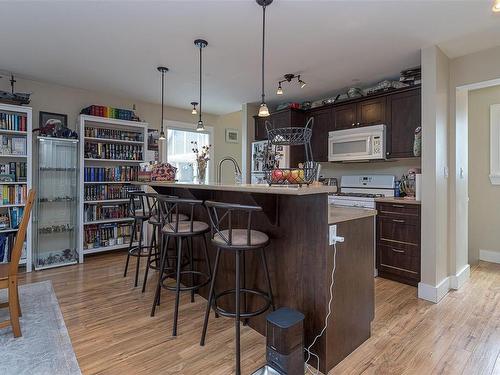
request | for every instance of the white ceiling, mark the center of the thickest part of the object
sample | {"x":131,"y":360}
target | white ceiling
{"x":115,"y":46}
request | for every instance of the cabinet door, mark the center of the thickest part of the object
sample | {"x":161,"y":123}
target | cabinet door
{"x":344,"y":116}
{"x":323,"y":123}
{"x":405,"y":116}
{"x":281,"y":119}
{"x":371,"y":112}
{"x":260,"y":128}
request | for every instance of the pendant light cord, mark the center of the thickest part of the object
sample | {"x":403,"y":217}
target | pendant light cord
{"x":162,"y":96}
{"x":199,"y":107}
{"x":263,"y":48}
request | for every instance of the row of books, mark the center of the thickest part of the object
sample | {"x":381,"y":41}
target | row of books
{"x":114,"y":174}
{"x":104,"y":235}
{"x":110,"y":112}
{"x":12,"y":218}
{"x":112,"y":151}
{"x":113,"y":134}
{"x":13,"y":194}
{"x":100,"y":192}
{"x":95,"y":212}
{"x":13,"y":172}
{"x":6,"y":244}
{"x":10,"y":145}
{"x":13,"y":121}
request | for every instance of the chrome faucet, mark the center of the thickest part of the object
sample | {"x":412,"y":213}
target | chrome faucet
{"x":237,"y":170}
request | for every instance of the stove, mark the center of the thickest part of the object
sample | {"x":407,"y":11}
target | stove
{"x":361,"y":191}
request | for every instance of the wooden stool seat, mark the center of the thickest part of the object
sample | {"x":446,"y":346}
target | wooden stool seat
{"x":239,"y":238}
{"x":185,"y":228}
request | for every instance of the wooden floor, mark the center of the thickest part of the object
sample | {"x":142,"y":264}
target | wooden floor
{"x":112,"y":333}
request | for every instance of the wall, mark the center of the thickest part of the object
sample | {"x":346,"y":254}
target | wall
{"x":484,"y":203}
{"x":434,"y":258}
{"x":60,"y":99}
{"x":221,"y":148}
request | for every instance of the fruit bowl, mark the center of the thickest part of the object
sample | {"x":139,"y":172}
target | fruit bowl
{"x":292,"y":176}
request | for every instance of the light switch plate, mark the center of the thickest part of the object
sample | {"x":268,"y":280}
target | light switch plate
{"x":333,"y":234}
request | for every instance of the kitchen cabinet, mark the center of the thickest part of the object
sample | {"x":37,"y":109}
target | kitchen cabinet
{"x":363,"y":113}
{"x":345,"y":116}
{"x":323,"y":123}
{"x":405,"y":113}
{"x":280,"y":119}
{"x":398,"y":242}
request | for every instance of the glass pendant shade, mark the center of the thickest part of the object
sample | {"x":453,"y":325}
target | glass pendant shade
{"x":193,"y":112}
{"x":200,"y":127}
{"x":263,"y":110}
{"x":496,"y":6}
{"x":279,"y":91}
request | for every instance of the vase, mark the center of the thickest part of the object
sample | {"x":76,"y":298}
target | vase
{"x":202,"y":172}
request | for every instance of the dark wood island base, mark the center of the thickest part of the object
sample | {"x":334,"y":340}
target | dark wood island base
{"x":300,"y":262}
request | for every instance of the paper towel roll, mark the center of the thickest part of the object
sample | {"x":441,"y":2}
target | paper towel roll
{"x":418,"y":186}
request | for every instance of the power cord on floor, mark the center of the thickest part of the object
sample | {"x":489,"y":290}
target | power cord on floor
{"x":332,"y":283}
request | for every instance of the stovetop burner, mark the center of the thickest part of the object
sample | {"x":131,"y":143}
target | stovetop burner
{"x":360,"y":195}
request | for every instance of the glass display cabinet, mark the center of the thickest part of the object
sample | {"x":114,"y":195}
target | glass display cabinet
{"x":56,"y":209}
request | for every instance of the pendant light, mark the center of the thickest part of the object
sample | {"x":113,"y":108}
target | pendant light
{"x":263,"y":110}
{"x":194,"y":111}
{"x":162,"y":70}
{"x":496,"y":6}
{"x":200,"y":43}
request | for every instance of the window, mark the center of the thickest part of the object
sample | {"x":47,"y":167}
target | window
{"x":495,"y":144}
{"x":180,"y":153}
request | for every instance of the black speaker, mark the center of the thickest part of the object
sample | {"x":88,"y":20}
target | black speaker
{"x":285,"y":341}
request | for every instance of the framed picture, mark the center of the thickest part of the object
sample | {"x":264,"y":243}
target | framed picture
{"x":232,"y":136}
{"x":153,"y":135}
{"x":58,"y":120}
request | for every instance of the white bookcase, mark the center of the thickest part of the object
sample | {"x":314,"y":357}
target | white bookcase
{"x":105,"y":125}
{"x":7,"y":126}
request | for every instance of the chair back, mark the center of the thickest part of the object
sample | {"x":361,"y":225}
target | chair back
{"x":21,"y":234}
{"x":139,"y":203}
{"x":170,"y":208}
{"x":221,"y":219}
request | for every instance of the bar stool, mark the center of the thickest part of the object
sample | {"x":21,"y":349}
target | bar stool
{"x":237,"y":241}
{"x":138,"y":209}
{"x":180,"y":231}
{"x":155,"y":243}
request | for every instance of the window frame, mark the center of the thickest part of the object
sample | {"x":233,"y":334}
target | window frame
{"x":185,"y":126}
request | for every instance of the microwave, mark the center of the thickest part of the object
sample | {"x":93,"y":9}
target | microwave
{"x":358,"y":144}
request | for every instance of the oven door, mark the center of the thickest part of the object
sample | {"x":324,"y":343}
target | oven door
{"x":349,"y":147}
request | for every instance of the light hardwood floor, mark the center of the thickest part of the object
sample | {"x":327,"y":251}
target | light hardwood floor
{"x":112,"y":333}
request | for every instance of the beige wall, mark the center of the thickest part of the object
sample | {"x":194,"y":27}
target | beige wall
{"x":484,"y":203}
{"x":221,"y":148}
{"x":60,"y":99}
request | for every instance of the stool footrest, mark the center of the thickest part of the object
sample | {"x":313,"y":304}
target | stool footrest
{"x":232,"y":314}
{"x":184,"y":288}
{"x":137,"y":251}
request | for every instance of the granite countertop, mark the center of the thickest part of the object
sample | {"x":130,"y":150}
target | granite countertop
{"x":247,"y":188}
{"x":397,"y":200}
{"x":338,"y":214}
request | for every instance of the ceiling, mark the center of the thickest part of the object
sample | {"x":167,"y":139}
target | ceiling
{"x":115,"y":46}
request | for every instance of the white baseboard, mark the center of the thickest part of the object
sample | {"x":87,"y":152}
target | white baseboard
{"x":456,"y":281}
{"x":489,"y":256}
{"x":434,"y":293}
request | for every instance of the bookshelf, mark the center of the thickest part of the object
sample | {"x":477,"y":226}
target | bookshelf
{"x":16,"y":125}
{"x":110,"y":153}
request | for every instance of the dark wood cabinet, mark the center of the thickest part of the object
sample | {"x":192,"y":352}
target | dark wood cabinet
{"x":279,"y":119}
{"x":323,"y":123}
{"x":405,"y":114}
{"x":345,"y":116}
{"x":371,"y":112}
{"x":260,"y":128}
{"x":398,"y":242}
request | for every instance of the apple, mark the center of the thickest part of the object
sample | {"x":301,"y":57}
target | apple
{"x":276,"y":175}
{"x":296,"y":176}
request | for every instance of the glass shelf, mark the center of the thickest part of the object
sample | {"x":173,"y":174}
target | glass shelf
{"x":56,"y":211}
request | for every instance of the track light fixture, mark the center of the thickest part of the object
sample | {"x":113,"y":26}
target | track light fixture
{"x":288,"y":78}
{"x":162,"y":70}
{"x":194,"y":111}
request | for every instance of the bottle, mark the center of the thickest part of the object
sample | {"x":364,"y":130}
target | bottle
{"x":397,"y":191}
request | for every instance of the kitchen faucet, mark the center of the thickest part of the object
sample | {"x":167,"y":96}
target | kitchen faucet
{"x":237,"y":170}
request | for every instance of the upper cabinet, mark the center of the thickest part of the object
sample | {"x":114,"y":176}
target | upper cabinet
{"x":362,"y":113}
{"x":405,"y":114}
{"x":344,"y":116}
{"x":323,"y":123}
{"x":280,"y":119}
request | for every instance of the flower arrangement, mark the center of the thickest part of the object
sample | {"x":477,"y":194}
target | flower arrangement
{"x":202,"y":157}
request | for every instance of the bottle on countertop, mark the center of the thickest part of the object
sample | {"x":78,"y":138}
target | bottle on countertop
{"x":397,"y":188}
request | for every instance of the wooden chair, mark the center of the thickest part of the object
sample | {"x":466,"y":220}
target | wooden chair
{"x":8,"y":271}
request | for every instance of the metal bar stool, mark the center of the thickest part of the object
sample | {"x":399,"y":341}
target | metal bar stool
{"x":227,"y":238}
{"x":156,"y":244}
{"x":138,"y":209}
{"x":180,"y":231}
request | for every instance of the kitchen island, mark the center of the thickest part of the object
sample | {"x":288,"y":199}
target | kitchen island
{"x":301,"y":260}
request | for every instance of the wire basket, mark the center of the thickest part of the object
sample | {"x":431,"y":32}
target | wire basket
{"x":304,"y":175}
{"x":292,"y":136}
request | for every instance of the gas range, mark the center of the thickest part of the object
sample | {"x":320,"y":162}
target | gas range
{"x":361,"y":191}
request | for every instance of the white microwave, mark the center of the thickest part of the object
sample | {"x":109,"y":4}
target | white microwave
{"x":365,"y":143}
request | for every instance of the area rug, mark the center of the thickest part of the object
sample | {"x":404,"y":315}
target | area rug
{"x":45,"y":347}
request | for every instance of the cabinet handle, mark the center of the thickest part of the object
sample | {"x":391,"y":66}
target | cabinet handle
{"x":398,"y":206}
{"x":357,"y":123}
{"x":398,"y":221}
{"x":353,"y":124}
{"x":398,"y":251}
